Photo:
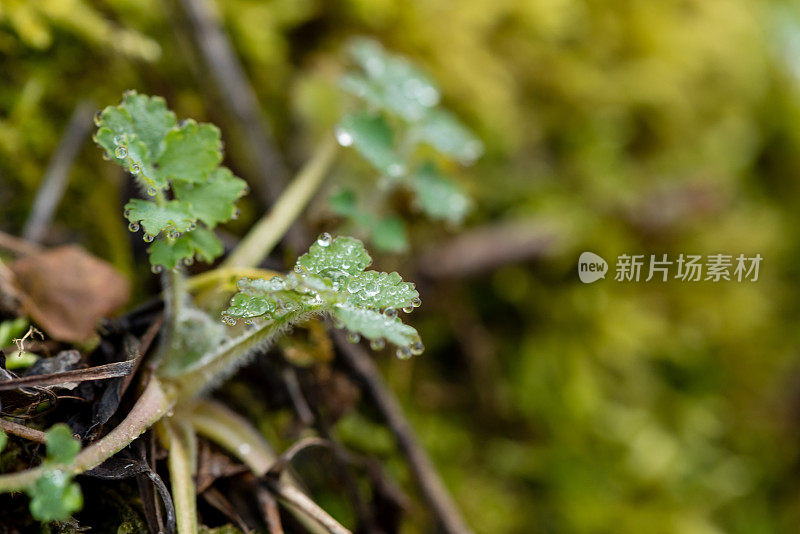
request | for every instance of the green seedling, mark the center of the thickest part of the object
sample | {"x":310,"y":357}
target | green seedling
{"x":408,"y":138}
{"x":186,"y":194}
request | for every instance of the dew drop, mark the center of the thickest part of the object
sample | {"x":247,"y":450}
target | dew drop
{"x":377,"y":344}
{"x":98,"y":117}
{"x":148,"y":238}
{"x":391,"y":313}
{"x":155,"y":269}
{"x":188,"y":261}
{"x":120,"y":152}
{"x":403,"y":353}
{"x":417,"y":348}
{"x":417,"y":302}
{"x":151,"y":191}
{"x":324,"y":239}
{"x":119,"y":140}
{"x":133,"y":227}
{"x":408,"y":309}
{"x":134,"y":168}
{"x":343,"y":137}
{"x":396,"y":169}
{"x":236,"y":213}
{"x":353,"y":337}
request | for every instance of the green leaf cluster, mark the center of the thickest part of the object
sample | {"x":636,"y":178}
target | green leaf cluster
{"x":332,"y":278}
{"x":403,"y":113}
{"x":54,"y":496}
{"x":178,"y":165}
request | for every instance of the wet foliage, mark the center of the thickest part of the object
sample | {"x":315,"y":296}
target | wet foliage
{"x":547,"y":405}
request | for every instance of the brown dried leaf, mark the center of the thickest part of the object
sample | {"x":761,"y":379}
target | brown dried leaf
{"x":66,"y":290}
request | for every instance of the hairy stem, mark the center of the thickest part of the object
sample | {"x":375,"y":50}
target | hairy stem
{"x":151,"y":406}
{"x":181,"y":442}
{"x":266,"y":233}
{"x":224,"y":362}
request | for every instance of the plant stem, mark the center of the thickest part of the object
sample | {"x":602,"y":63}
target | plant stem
{"x":182,"y":444}
{"x":296,"y":499}
{"x":266,"y":233}
{"x":225,"y":361}
{"x":173,"y":283}
{"x":22,"y":431}
{"x":235,"y":434}
{"x":151,"y":406}
{"x":232,"y":432}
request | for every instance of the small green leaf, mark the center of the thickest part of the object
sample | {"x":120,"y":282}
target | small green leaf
{"x":142,"y":135}
{"x":204,"y":243}
{"x":442,"y":130}
{"x":132,"y":134}
{"x":374,"y":289}
{"x":54,"y":497}
{"x":330,"y":278}
{"x":62,"y":447}
{"x":172,"y":215}
{"x":168,"y":254}
{"x":439,"y":196}
{"x":343,"y":202}
{"x":375,"y":325}
{"x":392,"y":82}
{"x":172,"y":253}
{"x":130,"y":153}
{"x":345,"y":254}
{"x":372,"y":137}
{"x":389,"y":234}
{"x":212,"y":201}
{"x":142,"y":116}
{"x":191,"y":152}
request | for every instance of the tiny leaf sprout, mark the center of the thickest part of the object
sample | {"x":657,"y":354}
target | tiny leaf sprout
{"x":332,"y":278}
{"x":400,"y":112}
{"x":147,"y":140}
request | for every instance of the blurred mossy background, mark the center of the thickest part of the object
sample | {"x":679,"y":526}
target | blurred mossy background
{"x":626,"y":126}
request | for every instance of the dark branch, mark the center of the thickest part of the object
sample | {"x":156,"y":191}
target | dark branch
{"x":431,"y":486}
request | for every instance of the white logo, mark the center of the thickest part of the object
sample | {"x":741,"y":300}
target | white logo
{"x":591,"y":267}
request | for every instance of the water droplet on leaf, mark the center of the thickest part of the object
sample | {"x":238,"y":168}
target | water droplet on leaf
{"x":343,"y":137}
{"x":353,"y":337}
{"x":324,"y":239}
{"x":396,"y":169}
